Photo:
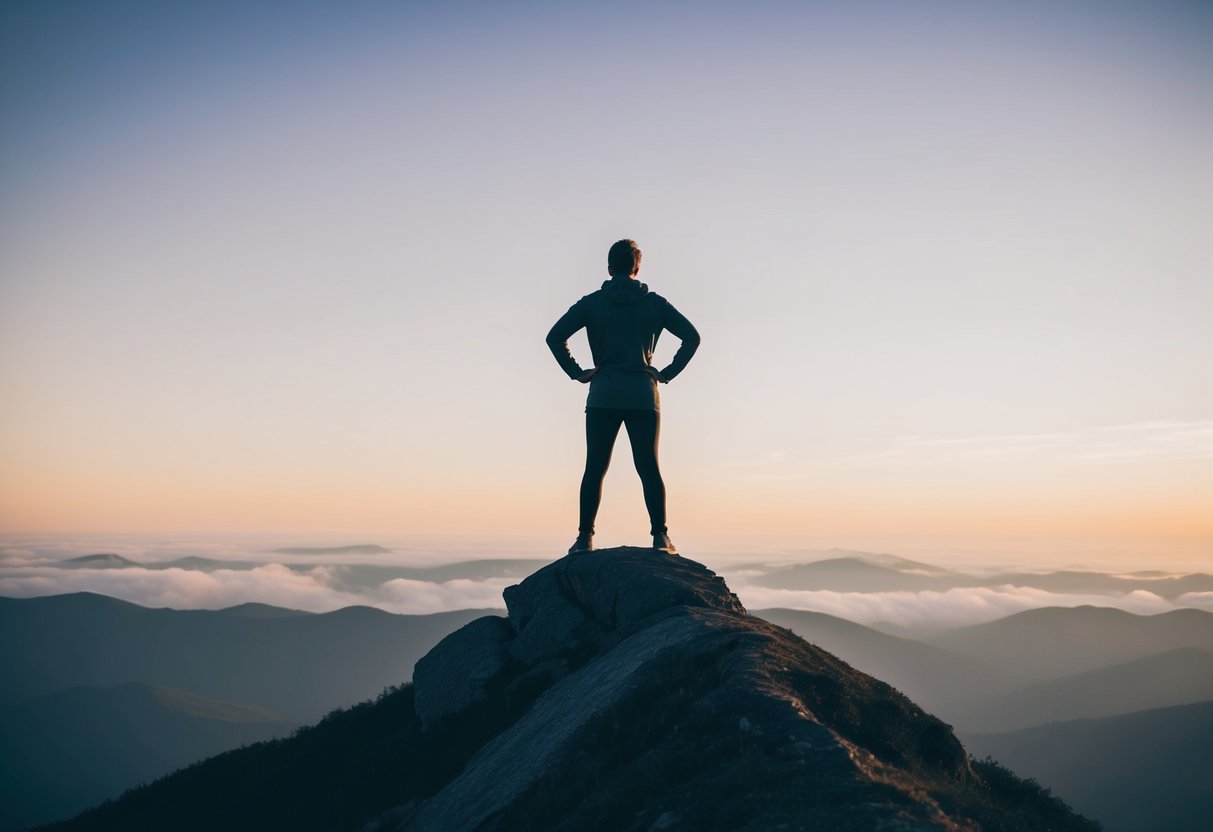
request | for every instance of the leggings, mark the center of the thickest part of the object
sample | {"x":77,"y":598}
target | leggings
{"x":601,"y":429}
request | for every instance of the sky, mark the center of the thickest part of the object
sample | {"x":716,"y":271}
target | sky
{"x":287,"y":268}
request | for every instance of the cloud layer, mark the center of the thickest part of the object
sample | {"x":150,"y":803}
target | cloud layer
{"x":272,"y":583}
{"x":33,"y":570}
{"x":951,"y":608}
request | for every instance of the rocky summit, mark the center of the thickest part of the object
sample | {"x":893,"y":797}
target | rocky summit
{"x":642,"y":696}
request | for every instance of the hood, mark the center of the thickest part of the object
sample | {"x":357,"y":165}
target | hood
{"x":624,"y":289}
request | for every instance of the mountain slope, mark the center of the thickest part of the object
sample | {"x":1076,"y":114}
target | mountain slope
{"x":627,"y":690}
{"x":850,"y":574}
{"x":1138,"y":772}
{"x":866,"y":572}
{"x":1052,"y":642}
{"x":939,"y":681}
{"x":298,"y":664}
{"x":1174,"y":677}
{"x":67,"y":750}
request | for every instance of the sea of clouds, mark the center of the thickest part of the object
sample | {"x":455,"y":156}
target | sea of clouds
{"x":954,"y":607}
{"x":30,"y":569}
{"x":314,"y":585}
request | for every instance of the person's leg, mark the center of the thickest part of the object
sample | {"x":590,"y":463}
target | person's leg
{"x":644,"y":429}
{"x":601,"y":430}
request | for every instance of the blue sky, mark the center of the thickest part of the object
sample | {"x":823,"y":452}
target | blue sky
{"x":289,"y":266}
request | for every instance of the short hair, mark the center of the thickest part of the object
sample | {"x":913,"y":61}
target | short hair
{"x":624,"y":258}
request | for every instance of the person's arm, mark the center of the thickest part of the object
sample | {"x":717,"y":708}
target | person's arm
{"x":558,"y":341}
{"x":684,"y":331}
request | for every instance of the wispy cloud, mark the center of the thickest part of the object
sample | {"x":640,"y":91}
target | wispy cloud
{"x":271,"y":583}
{"x":953,"y":608}
{"x":32,"y":568}
{"x":27,"y":571}
{"x":183,"y":588}
{"x":1200,"y":600}
{"x":402,"y":595}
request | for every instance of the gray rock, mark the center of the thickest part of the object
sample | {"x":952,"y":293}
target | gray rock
{"x":615,"y":587}
{"x":555,"y":734}
{"x":555,"y":626}
{"x":546,"y":736}
{"x":453,"y":675}
{"x":644,"y":697}
{"x":562,"y":611}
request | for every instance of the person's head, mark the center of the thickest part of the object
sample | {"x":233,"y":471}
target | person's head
{"x":623,"y":260}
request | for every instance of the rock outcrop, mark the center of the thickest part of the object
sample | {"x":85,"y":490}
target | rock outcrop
{"x":644,"y":697}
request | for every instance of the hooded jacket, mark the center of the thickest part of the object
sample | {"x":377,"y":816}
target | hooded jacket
{"x":623,"y":320}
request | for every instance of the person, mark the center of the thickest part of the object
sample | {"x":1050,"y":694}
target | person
{"x":623,"y":321}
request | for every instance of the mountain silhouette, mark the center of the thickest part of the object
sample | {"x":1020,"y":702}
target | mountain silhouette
{"x":65,"y":751}
{"x":853,"y":574}
{"x":942,"y":682}
{"x":846,"y":571}
{"x":1173,"y":677}
{"x":1047,"y":643}
{"x":342,"y":576}
{"x":294,"y":663}
{"x":625,"y":690}
{"x":1140,"y":772}
{"x":102,"y":560}
{"x":1100,"y":583}
{"x":819,"y":555}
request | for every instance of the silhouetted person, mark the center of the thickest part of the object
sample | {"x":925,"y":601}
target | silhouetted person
{"x":623,"y":320}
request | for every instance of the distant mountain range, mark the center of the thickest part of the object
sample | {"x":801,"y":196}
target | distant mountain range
{"x":1041,"y":644}
{"x":625,"y":692}
{"x":1016,"y":672}
{"x":102,"y":560}
{"x":100,"y":694}
{"x":358,"y":571}
{"x":943,"y":682}
{"x":351,"y":577}
{"x":64,"y":751}
{"x":173,"y":675}
{"x":842,"y":571}
{"x":1150,"y":770}
{"x":863,"y":572}
{"x":1174,"y":677}
{"x":293,"y":663}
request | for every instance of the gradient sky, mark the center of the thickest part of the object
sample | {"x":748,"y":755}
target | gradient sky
{"x":289,"y":266}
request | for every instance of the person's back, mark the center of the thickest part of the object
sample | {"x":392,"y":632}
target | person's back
{"x":623,"y":321}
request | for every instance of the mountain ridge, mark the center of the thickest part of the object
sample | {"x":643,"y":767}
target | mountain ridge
{"x":1136,"y":772}
{"x":64,"y":751}
{"x":297,"y":663}
{"x":608,"y":635}
{"x":1177,"y":676}
{"x":625,"y":689}
{"x":1082,"y":638}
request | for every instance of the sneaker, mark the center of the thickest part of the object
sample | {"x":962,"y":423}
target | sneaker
{"x":662,"y":543}
{"x":583,"y":543}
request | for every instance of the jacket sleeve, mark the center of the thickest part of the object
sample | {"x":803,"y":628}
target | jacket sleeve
{"x":684,"y":331}
{"x":558,"y":339}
